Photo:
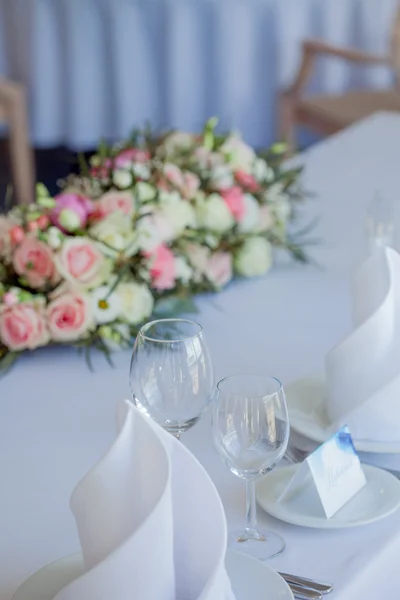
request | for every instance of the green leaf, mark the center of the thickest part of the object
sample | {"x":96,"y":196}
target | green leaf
{"x":83,"y":165}
{"x":7,"y":361}
{"x":103,"y":149}
{"x":172,"y":306}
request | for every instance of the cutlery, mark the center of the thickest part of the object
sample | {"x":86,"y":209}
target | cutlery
{"x":318,"y":586}
{"x":302,"y":593}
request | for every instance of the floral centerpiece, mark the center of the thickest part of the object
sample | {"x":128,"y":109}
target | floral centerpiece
{"x":145,"y":226}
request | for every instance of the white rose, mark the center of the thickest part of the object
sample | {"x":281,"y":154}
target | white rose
{"x":122,"y":178}
{"x":214,"y":215}
{"x":177,"y":142}
{"x":115,"y":231}
{"x":239,"y":154}
{"x":262,"y":171}
{"x":136,"y":302}
{"x":254,"y":257}
{"x":251,"y":216}
{"x":145,"y":191}
{"x":180,"y":213}
{"x":153,"y":230}
{"x":221,"y":177}
{"x":182,"y":270}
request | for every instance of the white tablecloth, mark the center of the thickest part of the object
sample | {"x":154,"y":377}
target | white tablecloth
{"x":99,"y":67}
{"x":57,"y":418}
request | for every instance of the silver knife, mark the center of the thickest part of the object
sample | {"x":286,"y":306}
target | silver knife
{"x":303,"y":593}
{"x":322,"y":588}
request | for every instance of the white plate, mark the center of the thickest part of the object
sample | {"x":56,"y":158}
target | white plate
{"x":379,"y":498}
{"x":306,"y":400}
{"x":250,"y":578}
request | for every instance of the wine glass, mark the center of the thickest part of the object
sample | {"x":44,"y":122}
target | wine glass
{"x":251,"y":433}
{"x":171,"y":375}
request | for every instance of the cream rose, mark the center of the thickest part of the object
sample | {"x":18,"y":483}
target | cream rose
{"x":152,"y":231}
{"x":251,"y":215}
{"x":23,"y":327}
{"x":81,"y":262}
{"x":179,"y":213}
{"x":214,"y":214}
{"x":69,"y":317}
{"x":116,"y":232}
{"x":239,"y":154}
{"x":254,"y":257}
{"x":136,"y":302}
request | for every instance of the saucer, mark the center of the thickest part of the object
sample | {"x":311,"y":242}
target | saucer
{"x":379,"y":498}
{"x":306,"y":399}
{"x":249,"y":577}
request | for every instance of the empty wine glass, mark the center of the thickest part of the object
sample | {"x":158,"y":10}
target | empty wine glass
{"x":171,"y":375}
{"x":251,"y":433}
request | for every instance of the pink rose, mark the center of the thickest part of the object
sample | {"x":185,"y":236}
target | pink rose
{"x":131,"y":155}
{"x":174,"y":175}
{"x":82,"y":262}
{"x":69,"y":317}
{"x":219,"y":268}
{"x":23,"y":327}
{"x":247,"y":181}
{"x":34,"y":261}
{"x":113,"y":201}
{"x":197,"y":256}
{"x":191,"y":184}
{"x":234,"y":199}
{"x":71,"y":211}
{"x":162,"y":268}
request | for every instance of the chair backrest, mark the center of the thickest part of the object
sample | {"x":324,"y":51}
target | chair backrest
{"x":395,"y":47}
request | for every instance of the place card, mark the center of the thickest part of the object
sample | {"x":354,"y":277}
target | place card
{"x":333,"y":470}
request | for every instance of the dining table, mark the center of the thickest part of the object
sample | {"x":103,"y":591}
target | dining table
{"x":57,"y":417}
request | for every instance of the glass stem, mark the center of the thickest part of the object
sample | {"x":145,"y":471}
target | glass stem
{"x":251,"y":510}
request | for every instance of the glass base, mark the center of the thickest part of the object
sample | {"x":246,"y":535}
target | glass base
{"x":263,"y":545}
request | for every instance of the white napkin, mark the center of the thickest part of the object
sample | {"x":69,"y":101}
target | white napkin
{"x":150,"y":521}
{"x":363,"y":372}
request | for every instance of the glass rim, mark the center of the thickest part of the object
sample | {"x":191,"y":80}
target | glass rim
{"x":142,"y":332}
{"x":252,"y":374}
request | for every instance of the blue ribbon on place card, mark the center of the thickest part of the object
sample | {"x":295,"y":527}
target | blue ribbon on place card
{"x":334,"y":470}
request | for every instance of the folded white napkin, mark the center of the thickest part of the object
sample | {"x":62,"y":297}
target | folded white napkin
{"x":150,"y":521}
{"x":363,"y":372}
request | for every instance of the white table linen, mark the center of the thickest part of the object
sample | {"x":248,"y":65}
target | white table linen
{"x":56,"y":417}
{"x":97,"y":68}
{"x":363,"y":371}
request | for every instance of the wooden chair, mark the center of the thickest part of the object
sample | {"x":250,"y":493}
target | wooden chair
{"x":14,"y":113}
{"x":327,"y":114}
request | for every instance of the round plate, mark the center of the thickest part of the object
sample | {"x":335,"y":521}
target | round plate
{"x":379,"y":498}
{"x":306,"y":400}
{"x":250,"y":578}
